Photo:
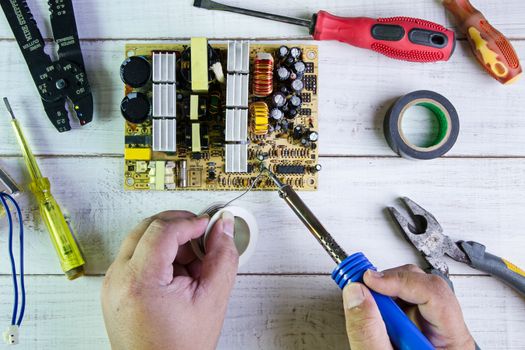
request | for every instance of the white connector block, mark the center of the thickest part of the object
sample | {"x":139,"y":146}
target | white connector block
{"x":11,"y":335}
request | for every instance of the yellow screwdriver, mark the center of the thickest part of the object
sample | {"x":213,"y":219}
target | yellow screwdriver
{"x":69,"y":254}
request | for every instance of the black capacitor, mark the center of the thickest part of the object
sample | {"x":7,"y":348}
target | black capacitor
{"x":297,"y":85}
{"x":292,"y":113}
{"x":295,"y":101}
{"x":283,"y":73}
{"x":285,"y":90}
{"x":305,"y":142}
{"x":135,"y":71}
{"x":289,"y":61}
{"x":299,"y":68}
{"x":313,"y":136}
{"x":283,"y":52}
{"x":278,"y":99}
{"x":135,"y":107}
{"x":298,"y":132}
{"x":276,"y":114}
{"x":316,"y":168}
{"x":296,"y":53}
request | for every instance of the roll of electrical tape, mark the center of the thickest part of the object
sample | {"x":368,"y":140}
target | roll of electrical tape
{"x":245,"y":232}
{"x":448,"y":125}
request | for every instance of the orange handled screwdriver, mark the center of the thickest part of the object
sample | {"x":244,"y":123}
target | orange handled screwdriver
{"x":492,"y":49}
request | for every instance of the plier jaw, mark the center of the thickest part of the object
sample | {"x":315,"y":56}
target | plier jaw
{"x":427,"y":236}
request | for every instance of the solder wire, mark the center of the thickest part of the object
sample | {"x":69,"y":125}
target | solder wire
{"x":251,"y":187}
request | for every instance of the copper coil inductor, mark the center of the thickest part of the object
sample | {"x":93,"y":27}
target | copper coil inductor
{"x":263,"y":75}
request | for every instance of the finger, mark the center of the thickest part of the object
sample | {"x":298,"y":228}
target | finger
{"x":130,"y":242}
{"x":194,"y":269}
{"x":156,"y":251}
{"x":220,"y":264}
{"x":364,"y":325}
{"x":436,"y":301}
{"x":185,"y":255}
{"x":408,"y":268}
{"x":413,"y":287}
{"x":179,"y":270}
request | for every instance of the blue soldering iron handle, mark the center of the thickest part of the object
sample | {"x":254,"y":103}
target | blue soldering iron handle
{"x":403,"y":333}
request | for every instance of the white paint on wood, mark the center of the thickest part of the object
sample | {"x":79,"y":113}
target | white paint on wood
{"x":265,"y":312}
{"x":178,"y":19}
{"x":474,"y":199}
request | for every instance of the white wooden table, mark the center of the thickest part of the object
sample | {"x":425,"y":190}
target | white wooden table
{"x":283,"y":298}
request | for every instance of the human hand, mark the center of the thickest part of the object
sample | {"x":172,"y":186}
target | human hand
{"x":426,"y":299}
{"x":158,"y":295}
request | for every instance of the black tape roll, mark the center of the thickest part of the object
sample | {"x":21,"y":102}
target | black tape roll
{"x":446,"y":116}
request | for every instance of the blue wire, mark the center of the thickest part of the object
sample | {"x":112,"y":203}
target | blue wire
{"x":13,"y":267}
{"x":22,"y":277}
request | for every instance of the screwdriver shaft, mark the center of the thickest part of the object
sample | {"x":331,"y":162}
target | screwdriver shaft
{"x":212,"y":5}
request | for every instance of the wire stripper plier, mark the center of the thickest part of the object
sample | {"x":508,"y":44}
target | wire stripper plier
{"x":60,"y":80}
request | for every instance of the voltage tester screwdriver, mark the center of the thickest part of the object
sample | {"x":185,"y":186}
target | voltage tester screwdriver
{"x":69,"y":254}
{"x":402,"y":331}
{"x":402,"y":38}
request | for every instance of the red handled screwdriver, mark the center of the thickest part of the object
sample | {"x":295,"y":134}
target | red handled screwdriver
{"x":402,"y":38}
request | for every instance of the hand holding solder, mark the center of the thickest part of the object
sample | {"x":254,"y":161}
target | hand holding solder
{"x":428,"y":301}
{"x":158,"y":295}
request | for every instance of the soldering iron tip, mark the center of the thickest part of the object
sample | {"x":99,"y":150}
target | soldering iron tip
{"x":8,"y":106}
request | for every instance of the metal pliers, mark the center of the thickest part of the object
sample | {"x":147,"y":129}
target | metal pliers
{"x":57,"y":81}
{"x":428,"y":238}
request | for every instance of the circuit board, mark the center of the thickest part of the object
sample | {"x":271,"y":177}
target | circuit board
{"x":284,"y":136}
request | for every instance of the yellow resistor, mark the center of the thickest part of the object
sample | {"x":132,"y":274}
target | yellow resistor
{"x":259,"y":112}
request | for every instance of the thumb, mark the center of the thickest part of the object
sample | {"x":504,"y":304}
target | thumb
{"x":220,"y":264}
{"x":364,"y":325}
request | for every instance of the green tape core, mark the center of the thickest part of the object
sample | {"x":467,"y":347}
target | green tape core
{"x":442,"y":121}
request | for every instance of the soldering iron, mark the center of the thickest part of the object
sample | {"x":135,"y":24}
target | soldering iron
{"x":402,"y":331}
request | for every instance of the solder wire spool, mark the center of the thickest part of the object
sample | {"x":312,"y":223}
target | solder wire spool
{"x":245,"y":232}
{"x":445,"y":114}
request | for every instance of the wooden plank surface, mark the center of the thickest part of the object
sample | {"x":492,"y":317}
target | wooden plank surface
{"x":352,"y":105}
{"x":99,"y":19}
{"x":265,"y":312}
{"x":282,"y":300}
{"x":474,"y":199}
